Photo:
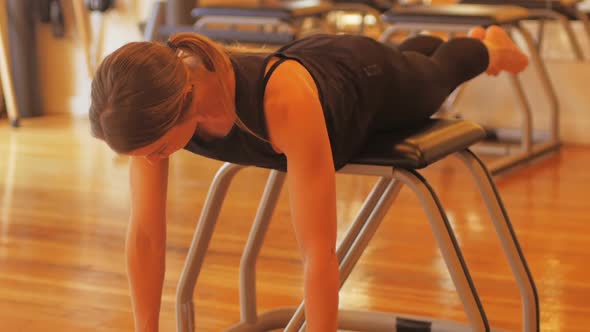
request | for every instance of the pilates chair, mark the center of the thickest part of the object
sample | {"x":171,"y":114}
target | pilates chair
{"x":395,"y":158}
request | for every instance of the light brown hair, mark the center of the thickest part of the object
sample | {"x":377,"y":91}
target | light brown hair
{"x":139,"y":91}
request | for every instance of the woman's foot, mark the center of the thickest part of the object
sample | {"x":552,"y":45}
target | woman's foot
{"x":504,"y":54}
{"x":477,"y":33}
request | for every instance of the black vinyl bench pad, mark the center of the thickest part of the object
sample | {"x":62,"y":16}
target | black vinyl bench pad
{"x":419,"y":147}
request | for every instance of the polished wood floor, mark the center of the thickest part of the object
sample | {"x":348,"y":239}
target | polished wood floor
{"x":63,"y":212}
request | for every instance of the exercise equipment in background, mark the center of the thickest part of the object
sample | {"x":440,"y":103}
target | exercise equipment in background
{"x":89,"y":18}
{"x":99,"y":5}
{"x":263,"y":22}
{"x":21,"y":57}
{"x":51,"y":12}
{"x":5,"y":73}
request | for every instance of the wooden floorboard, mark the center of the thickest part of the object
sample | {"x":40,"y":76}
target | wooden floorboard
{"x":64,"y":206}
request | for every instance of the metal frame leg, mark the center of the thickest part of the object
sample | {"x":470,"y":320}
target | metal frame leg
{"x":448,"y":246}
{"x":351,"y":248}
{"x":279,"y":318}
{"x":155,"y":21}
{"x":526,"y":130}
{"x":565,"y":23}
{"x":369,"y":229}
{"x":5,"y":72}
{"x":179,"y":12}
{"x":359,"y":221}
{"x":385,"y":191}
{"x":526,"y":133}
{"x":510,"y":245}
{"x":529,"y":148}
{"x":540,"y":34}
{"x":545,"y":80}
{"x":84,"y":28}
{"x":445,"y":238}
{"x":274,"y":185}
{"x":583,"y":17}
{"x":198,"y":249}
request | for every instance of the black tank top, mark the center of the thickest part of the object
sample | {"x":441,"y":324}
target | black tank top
{"x":353,"y":75}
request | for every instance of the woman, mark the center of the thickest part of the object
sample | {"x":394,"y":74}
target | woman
{"x":306,"y":109}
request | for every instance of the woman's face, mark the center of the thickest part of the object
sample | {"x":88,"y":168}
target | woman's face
{"x":174,"y":140}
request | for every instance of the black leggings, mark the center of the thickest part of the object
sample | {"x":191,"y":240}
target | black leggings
{"x":428,"y":70}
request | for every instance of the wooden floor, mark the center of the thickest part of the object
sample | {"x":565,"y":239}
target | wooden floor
{"x":64,"y":206}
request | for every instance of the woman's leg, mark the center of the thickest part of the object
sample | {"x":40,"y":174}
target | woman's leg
{"x":423,"y":44}
{"x":423,"y":82}
{"x":459,"y":60}
{"x":465,"y":58}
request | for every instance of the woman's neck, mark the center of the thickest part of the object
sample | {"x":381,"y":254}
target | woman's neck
{"x":215,"y":102}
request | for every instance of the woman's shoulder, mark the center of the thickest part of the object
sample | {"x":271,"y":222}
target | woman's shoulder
{"x":288,"y":81}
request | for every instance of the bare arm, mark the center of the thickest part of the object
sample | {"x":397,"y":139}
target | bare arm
{"x":297,"y":128}
{"x":146,"y":240}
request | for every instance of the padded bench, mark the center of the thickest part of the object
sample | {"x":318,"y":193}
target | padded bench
{"x":455,"y":18}
{"x":395,"y":159}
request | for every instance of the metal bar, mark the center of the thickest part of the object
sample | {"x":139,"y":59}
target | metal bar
{"x":508,"y":239}
{"x":179,"y":12}
{"x":583,"y":17}
{"x":545,"y":80}
{"x":565,"y":23}
{"x":155,"y":21}
{"x":198,"y":249}
{"x":5,"y":72}
{"x":266,"y":208}
{"x":361,"y":217}
{"x":526,"y":126}
{"x":448,"y":246}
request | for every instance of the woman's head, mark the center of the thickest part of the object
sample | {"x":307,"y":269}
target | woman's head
{"x":143,"y":90}
{"x":137,"y":95}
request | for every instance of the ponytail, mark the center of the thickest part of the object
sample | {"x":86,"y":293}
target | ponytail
{"x":214,"y":58}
